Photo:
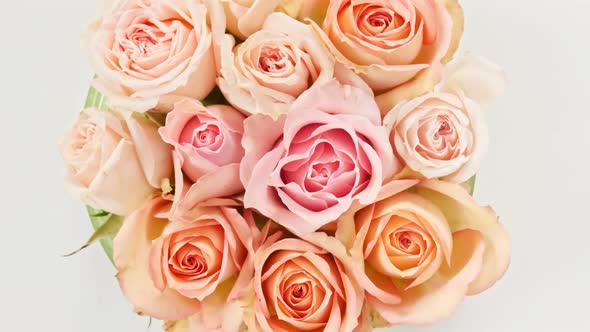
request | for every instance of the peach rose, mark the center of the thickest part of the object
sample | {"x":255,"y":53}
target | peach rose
{"x":148,"y":54}
{"x":113,"y":164}
{"x":389,"y":42}
{"x":301,"y":287}
{"x":306,"y":169}
{"x":443,"y":134}
{"x":172,"y":270}
{"x":417,"y":254}
{"x":267,"y":72}
{"x":245,"y":17}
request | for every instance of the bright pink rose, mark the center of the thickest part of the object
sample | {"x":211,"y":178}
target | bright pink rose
{"x":301,"y":287}
{"x":172,"y":270}
{"x":418,"y":254}
{"x":306,"y":169}
{"x":113,"y":164}
{"x":389,"y":42}
{"x":148,"y":54}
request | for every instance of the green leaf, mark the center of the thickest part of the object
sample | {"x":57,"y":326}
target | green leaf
{"x":471,"y":184}
{"x":214,"y":98}
{"x":95,"y":99}
{"x":106,"y":226}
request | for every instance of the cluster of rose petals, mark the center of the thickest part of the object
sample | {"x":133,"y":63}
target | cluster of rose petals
{"x":171,"y":270}
{"x":388,"y":42}
{"x":149,"y":54}
{"x":104,"y":152}
{"x":417,"y":255}
{"x":306,"y":169}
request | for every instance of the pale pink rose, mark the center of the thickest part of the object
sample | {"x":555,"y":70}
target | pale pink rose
{"x":267,"y":72}
{"x":443,"y":134}
{"x":148,"y":54}
{"x":301,"y":287}
{"x":245,"y":17}
{"x":208,"y":151}
{"x":113,"y":164}
{"x":418,"y":254}
{"x":205,"y":138}
{"x":306,"y":169}
{"x":389,"y":42}
{"x":172,"y":269}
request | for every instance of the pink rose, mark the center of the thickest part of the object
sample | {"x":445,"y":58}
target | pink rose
{"x":301,"y":287}
{"x":208,"y":151}
{"x":205,"y":138}
{"x":307,"y":169}
{"x":418,"y":254}
{"x":267,"y":72}
{"x":113,"y":164}
{"x":148,"y":54}
{"x":389,"y":42}
{"x":443,"y":134}
{"x":172,"y":270}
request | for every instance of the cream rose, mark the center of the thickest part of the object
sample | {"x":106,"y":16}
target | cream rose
{"x":267,"y":72}
{"x":418,"y":254}
{"x":148,"y":54}
{"x":389,"y":42}
{"x":245,"y":17}
{"x":104,"y":153}
{"x":443,"y":134}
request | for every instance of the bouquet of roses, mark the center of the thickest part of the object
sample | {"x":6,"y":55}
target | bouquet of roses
{"x":287,"y":165}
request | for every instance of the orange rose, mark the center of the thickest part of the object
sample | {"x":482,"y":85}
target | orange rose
{"x":417,"y":254}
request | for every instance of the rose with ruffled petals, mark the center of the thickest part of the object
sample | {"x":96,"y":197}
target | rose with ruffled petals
{"x":172,"y":270}
{"x":389,"y":42}
{"x":148,"y":54}
{"x":443,"y":134}
{"x":104,"y":153}
{"x":306,"y":169}
{"x":418,"y":254}
{"x":273,"y":67}
{"x":301,"y":287}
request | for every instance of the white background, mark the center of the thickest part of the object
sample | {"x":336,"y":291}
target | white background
{"x":536,"y":174}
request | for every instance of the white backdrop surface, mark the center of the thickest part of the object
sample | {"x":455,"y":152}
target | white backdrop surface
{"x":536,"y":174}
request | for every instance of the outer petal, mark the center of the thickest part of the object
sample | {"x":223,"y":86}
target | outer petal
{"x":155,"y":155}
{"x":122,"y":170}
{"x":480,"y":79}
{"x":438,"y":298}
{"x":462,"y":212}
{"x":131,"y":253}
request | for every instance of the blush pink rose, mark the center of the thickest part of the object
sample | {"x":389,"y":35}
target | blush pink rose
{"x":170,"y":270}
{"x":418,"y":254}
{"x":443,"y":134}
{"x":389,"y":42}
{"x":205,"y":138}
{"x":148,"y":54}
{"x":306,"y":169}
{"x":301,"y":287}
{"x":267,"y":72}
{"x":113,"y":164}
{"x":208,"y":151}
